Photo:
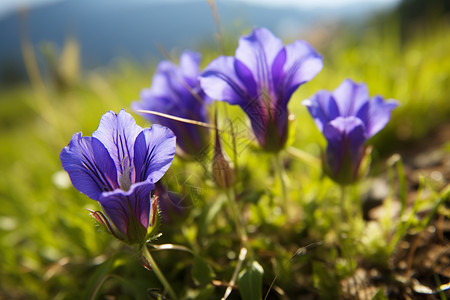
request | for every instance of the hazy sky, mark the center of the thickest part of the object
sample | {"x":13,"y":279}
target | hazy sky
{"x":7,"y":6}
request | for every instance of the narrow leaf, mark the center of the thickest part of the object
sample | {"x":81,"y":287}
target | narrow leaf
{"x":201,"y":271}
{"x":250,"y":281}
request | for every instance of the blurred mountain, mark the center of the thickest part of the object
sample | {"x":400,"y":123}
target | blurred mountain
{"x":106,"y":29}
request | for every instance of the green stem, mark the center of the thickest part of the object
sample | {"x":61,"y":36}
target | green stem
{"x":278,"y":164}
{"x":350,"y":209}
{"x":158,"y":273}
{"x":240,"y":227}
{"x":343,"y":204}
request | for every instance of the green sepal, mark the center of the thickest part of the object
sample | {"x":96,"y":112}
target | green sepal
{"x":155,"y":218}
{"x":136,"y":231}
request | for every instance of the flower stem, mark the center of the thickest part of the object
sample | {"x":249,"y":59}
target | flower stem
{"x":158,"y":273}
{"x":344,"y":205}
{"x":279,"y":169}
{"x":240,"y":227}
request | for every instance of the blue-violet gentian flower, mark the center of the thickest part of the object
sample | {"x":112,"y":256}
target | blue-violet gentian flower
{"x":347,"y":117}
{"x":261,"y":79}
{"x":176,"y":91}
{"x":118,"y":166}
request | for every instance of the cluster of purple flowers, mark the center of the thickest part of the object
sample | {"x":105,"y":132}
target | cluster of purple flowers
{"x":119,"y":165}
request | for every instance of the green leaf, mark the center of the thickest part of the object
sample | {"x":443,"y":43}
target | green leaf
{"x":208,"y":214}
{"x":250,"y":281}
{"x":204,"y":293}
{"x":98,"y":278}
{"x":379,"y":295}
{"x":201,"y":271}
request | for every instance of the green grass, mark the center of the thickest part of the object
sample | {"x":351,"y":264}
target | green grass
{"x":51,"y":248}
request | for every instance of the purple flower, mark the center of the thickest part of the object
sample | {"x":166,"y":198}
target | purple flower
{"x":348,"y":118}
{"x":261,"y":79}
{"x":176,"y":91}
{"x":118,"y":167}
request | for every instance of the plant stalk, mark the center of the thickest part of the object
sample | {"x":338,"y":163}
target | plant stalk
{"x":279,"y":169}
{"x":158,"y":273}
{"x":240,"y":227}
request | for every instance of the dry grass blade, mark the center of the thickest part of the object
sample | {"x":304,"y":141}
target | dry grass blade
{"x":184,"y":120}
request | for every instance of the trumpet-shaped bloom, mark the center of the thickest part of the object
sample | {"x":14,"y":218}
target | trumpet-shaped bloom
{"x":118,"y":166}
{"x":347,"y":117}
{"x":261,"y":79}
{"x":176,"y":91}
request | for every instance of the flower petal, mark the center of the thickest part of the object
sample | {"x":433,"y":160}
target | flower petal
{"x":153,"y":153}
{"x":169,"y":94}
{"x":220,"y":81}
{"x":322,"y":107}
{"x":128,"y":209}
{"x":176,"y":91}
{"x":189,"y":65}
{"x":247,"y":79}
{"x":346,"y":138}
{"x":258,"y":51}
{"x":118,"y":133}
{"x":376,"y":114}
{"x":166,"y":83}
{"x":350,"y":97}
{"x":302,"y":63}
{"x":90,"y":168}
{"x":162,"y":97}
{"x":192,"y":139}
